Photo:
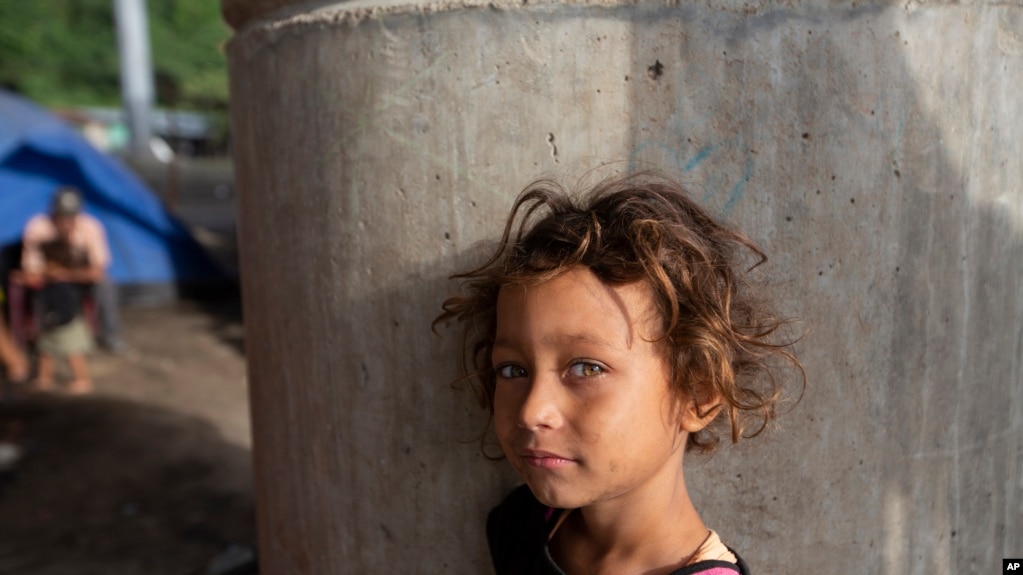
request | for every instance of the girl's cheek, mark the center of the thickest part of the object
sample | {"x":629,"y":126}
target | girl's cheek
{"x":502,"y":412}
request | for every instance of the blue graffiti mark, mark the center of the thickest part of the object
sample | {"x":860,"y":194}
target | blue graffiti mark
{"x":684,"y":163}
{"x":673,"y":145}
{"x":673,"y":153}
{"x":740,"y":188}
{"x":698,"y":158}
{"x":643,"y":146}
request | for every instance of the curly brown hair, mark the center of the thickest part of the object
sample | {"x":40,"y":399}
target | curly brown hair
{"x":721,"y":338}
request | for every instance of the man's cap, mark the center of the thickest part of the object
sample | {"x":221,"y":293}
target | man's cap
{"x":67,"y":202}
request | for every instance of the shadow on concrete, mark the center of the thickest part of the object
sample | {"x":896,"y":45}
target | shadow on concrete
{"x":110,"y":486}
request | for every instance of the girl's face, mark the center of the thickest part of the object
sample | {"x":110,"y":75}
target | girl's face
{"x":582,"y":406}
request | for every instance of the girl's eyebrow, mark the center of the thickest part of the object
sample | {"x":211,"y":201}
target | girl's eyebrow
{"x":585,"y":338}
{"x":560,"y":339}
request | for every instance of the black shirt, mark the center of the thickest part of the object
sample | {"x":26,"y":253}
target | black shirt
{"x":518,"y":530}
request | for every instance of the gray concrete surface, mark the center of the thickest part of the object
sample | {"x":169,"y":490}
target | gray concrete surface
{"x":872,"y":148}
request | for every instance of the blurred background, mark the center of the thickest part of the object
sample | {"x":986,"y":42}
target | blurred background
{"x":127,"y":101}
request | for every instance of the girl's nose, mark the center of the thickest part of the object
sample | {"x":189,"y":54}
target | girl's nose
{"x":541,"y":404}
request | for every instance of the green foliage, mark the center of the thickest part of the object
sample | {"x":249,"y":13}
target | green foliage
{"x":64,"y":52}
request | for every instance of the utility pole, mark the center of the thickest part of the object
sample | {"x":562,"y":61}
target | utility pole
{"x":136,"y":71}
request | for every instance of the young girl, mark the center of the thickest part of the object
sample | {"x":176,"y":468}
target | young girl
{"x":610,"y":334}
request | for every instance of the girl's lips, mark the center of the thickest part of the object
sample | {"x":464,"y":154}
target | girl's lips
{"x":544,"y":459}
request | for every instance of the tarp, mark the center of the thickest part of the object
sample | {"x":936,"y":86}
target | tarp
{"x":39,"y":152}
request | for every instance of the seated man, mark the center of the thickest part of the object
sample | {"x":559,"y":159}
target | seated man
{"x":85,"y":233}
{"x":63,"y":333}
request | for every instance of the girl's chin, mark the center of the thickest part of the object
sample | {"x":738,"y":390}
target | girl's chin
{"x":558,"y":498}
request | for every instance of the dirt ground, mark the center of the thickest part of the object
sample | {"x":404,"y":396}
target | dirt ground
{"x":148,"y":475}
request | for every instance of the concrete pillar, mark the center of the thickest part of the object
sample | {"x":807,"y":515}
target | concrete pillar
{"x":136,"y":68}
{"x":872,"y":149}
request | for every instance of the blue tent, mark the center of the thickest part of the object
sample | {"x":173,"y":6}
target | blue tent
{"x":38,"y":152}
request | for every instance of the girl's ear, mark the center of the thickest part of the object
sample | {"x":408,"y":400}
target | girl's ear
{"x":698,"y":415}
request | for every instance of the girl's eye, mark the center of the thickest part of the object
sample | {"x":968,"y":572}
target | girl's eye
{"x":510,"y":371}
{"x":586,"y":369}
